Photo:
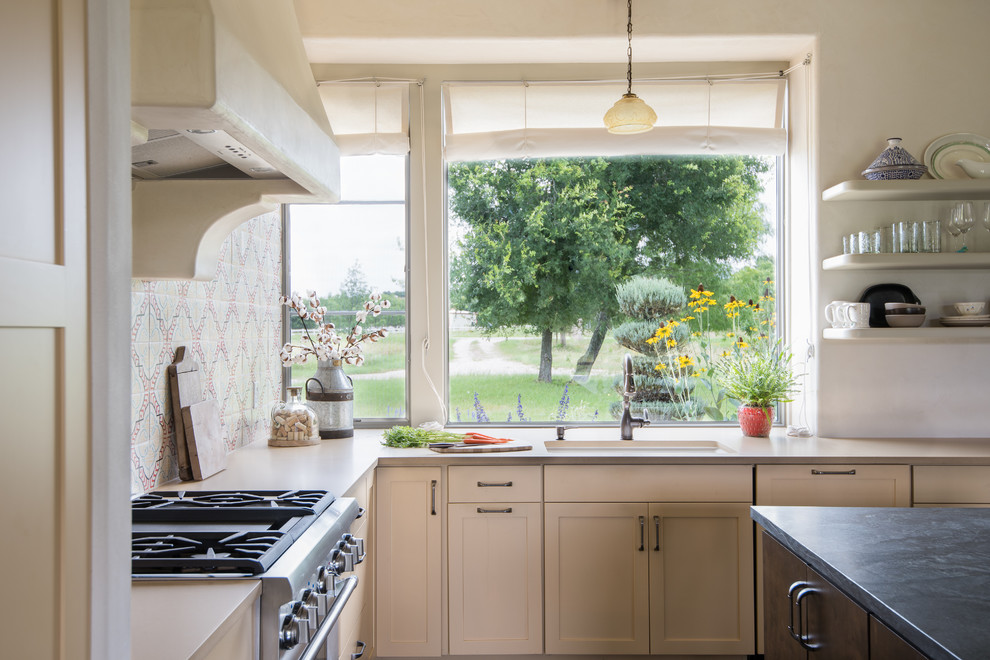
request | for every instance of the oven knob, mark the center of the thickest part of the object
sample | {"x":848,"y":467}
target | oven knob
{"x":357,"y":545}
{"x":324,"y":580}
{"x":292,"y":630}
{"x":340,"y":562}
{"x":311,"y":606}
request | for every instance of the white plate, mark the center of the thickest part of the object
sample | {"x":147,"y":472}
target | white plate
{"x":968,"y":317}
{"x":965,"y":324}
{"x":942,"y":154}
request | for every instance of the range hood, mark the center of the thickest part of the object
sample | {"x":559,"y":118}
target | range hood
{"x":227,"y":124}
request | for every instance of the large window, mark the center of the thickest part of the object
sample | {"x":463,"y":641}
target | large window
{"x":570,"y":247}
{"x":559,"y":267}
{"x":345,"y":253}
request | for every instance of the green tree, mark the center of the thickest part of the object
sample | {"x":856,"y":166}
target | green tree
{"x":531,"y":235}
{"x":544,"y":242}
{"x":354,"y":287}
{"x":696,"y":214}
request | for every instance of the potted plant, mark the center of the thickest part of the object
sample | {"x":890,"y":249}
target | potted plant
{"x":758,"y":379}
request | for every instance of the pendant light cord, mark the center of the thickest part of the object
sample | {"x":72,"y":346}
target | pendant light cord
{"x":629,"y":48}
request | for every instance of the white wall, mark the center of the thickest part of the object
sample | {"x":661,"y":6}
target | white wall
{"x":907,"y":68}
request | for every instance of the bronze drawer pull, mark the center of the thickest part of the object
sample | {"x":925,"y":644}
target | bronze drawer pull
{"x":849,"y":472}
{"x":482,"y":484}
{"x":508,"y":510}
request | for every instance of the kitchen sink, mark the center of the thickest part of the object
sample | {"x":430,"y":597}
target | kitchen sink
{"x":672,"y":446}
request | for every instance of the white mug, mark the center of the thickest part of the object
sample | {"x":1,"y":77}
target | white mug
{"x":844,"y":314}
{"x":858,"y":315}
{"x":835,"y":314}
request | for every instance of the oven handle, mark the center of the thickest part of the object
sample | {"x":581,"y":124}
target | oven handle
{"x":347,"y":588}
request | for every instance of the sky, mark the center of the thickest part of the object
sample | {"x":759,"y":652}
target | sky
{"x":325,"y":240}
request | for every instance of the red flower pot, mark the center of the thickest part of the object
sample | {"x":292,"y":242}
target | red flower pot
{"x":755,"y":422}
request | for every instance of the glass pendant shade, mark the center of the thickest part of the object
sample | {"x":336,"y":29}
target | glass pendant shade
{"x":630,"y":115}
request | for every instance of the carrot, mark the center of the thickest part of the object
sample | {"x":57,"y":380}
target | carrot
{"x":482,"y":439}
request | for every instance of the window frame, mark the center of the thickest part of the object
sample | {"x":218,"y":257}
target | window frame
{"x":359,"y":422}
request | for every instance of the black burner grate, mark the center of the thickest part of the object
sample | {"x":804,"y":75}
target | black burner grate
{"x":206,"y":552}
{"x":224,"y":506}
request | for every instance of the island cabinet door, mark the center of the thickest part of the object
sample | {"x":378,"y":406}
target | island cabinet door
{"x":701,"y":579}
{"x":885,"y":644}
{"x":408,"y":583}
{"x":495,"y":566}
{"x":597,"y":587}
{"x":805,"y":613}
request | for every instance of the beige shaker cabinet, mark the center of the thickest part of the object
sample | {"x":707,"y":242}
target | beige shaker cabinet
{"x":952,"y":485}
{"x":495,"y":560}
{"x":597,"y":584}
{"x":634,"y":574}
{"x":833,"y":485}
{"x":701,"y":578}
{"x":408,"y":561}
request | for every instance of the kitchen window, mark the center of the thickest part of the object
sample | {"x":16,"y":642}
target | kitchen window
{"x":566,"y":252}
{"x":345,"y":252}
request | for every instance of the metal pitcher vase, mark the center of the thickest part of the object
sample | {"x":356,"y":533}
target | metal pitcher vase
{"x":330,"y":392}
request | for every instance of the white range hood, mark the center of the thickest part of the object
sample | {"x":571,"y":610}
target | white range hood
{"x":227,"y":125}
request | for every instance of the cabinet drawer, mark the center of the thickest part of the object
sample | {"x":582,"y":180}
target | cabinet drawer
{"x":952,"y":484}
{"x":833,"y":485}
{"x":649,"y":483}
{"x":494,"y":483}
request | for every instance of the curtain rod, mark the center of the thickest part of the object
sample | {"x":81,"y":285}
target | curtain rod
{"x":715,"y":77}
{"x":372,"y":79}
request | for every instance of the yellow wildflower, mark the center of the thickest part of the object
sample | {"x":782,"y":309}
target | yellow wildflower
{"x":671,"y":343}
{"x":660,"y":367}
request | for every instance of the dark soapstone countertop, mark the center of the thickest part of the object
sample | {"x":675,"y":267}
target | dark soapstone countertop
{"x":923,"y":572}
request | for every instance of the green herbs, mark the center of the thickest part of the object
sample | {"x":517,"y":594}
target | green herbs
{"x":407,"y":436}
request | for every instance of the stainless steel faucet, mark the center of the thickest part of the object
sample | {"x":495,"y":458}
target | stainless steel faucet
{"x":628,"y":422}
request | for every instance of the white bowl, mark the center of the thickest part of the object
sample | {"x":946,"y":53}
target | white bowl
{"x":905,"y":320}
{"x":970,"y":308}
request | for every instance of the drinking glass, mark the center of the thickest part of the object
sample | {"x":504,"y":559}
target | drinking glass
{"x":931,"y":235}
{"x":963,"y":220}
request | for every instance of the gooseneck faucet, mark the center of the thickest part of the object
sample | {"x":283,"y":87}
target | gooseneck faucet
{"x":628,"y":422}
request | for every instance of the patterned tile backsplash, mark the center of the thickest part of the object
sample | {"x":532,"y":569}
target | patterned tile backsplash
{"x":232,"y":327}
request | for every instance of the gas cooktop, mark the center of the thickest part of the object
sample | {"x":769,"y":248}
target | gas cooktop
{"x":218,"y":532}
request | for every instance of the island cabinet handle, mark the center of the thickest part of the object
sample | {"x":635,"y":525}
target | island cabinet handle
{"x":642,"y":533}
{"x":833,"y":472}
{"x":483,"y":484}
{"x":797,"y":602}
{"x":656,"y":527}
{"x":433,"y":497}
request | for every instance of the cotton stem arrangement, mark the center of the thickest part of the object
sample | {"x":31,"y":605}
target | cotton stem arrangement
{"x":328,"y":344}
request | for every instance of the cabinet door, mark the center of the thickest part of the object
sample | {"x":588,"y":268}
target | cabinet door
{"x":408,"y":562}
{"x":701,"y":579}
{"x":781,"y":572}
{"x":838,"y":627}
{"x":495,"y":560}
{"x":597,"y":589}
{"x":885,"y":644}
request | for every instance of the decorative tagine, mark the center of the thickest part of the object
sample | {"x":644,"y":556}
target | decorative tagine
{"x":330,"y":392}
{"x":894,"y":163}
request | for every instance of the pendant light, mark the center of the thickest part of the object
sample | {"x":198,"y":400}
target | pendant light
{"x":630,"y":114}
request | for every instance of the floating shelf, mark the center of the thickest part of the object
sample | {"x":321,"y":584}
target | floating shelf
{"x":917,"y":261}
{"x":925,"y":335}
{"x":908,"y":191}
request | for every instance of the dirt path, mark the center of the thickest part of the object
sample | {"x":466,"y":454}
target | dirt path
{"x":470,"y":355}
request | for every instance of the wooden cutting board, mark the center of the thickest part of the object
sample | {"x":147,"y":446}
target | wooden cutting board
{"x":185,"y":389}
{"x":461,"y":448}
{"x":204,"y":438}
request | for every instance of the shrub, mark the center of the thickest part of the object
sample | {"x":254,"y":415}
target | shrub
{"x":649,"y":298}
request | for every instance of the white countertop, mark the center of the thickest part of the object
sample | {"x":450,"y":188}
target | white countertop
{"x":163,"y":613}
{"x":185,"y":619}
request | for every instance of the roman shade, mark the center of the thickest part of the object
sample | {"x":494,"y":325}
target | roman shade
{"x":368,"y":117}
{"x":496,"y":120}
